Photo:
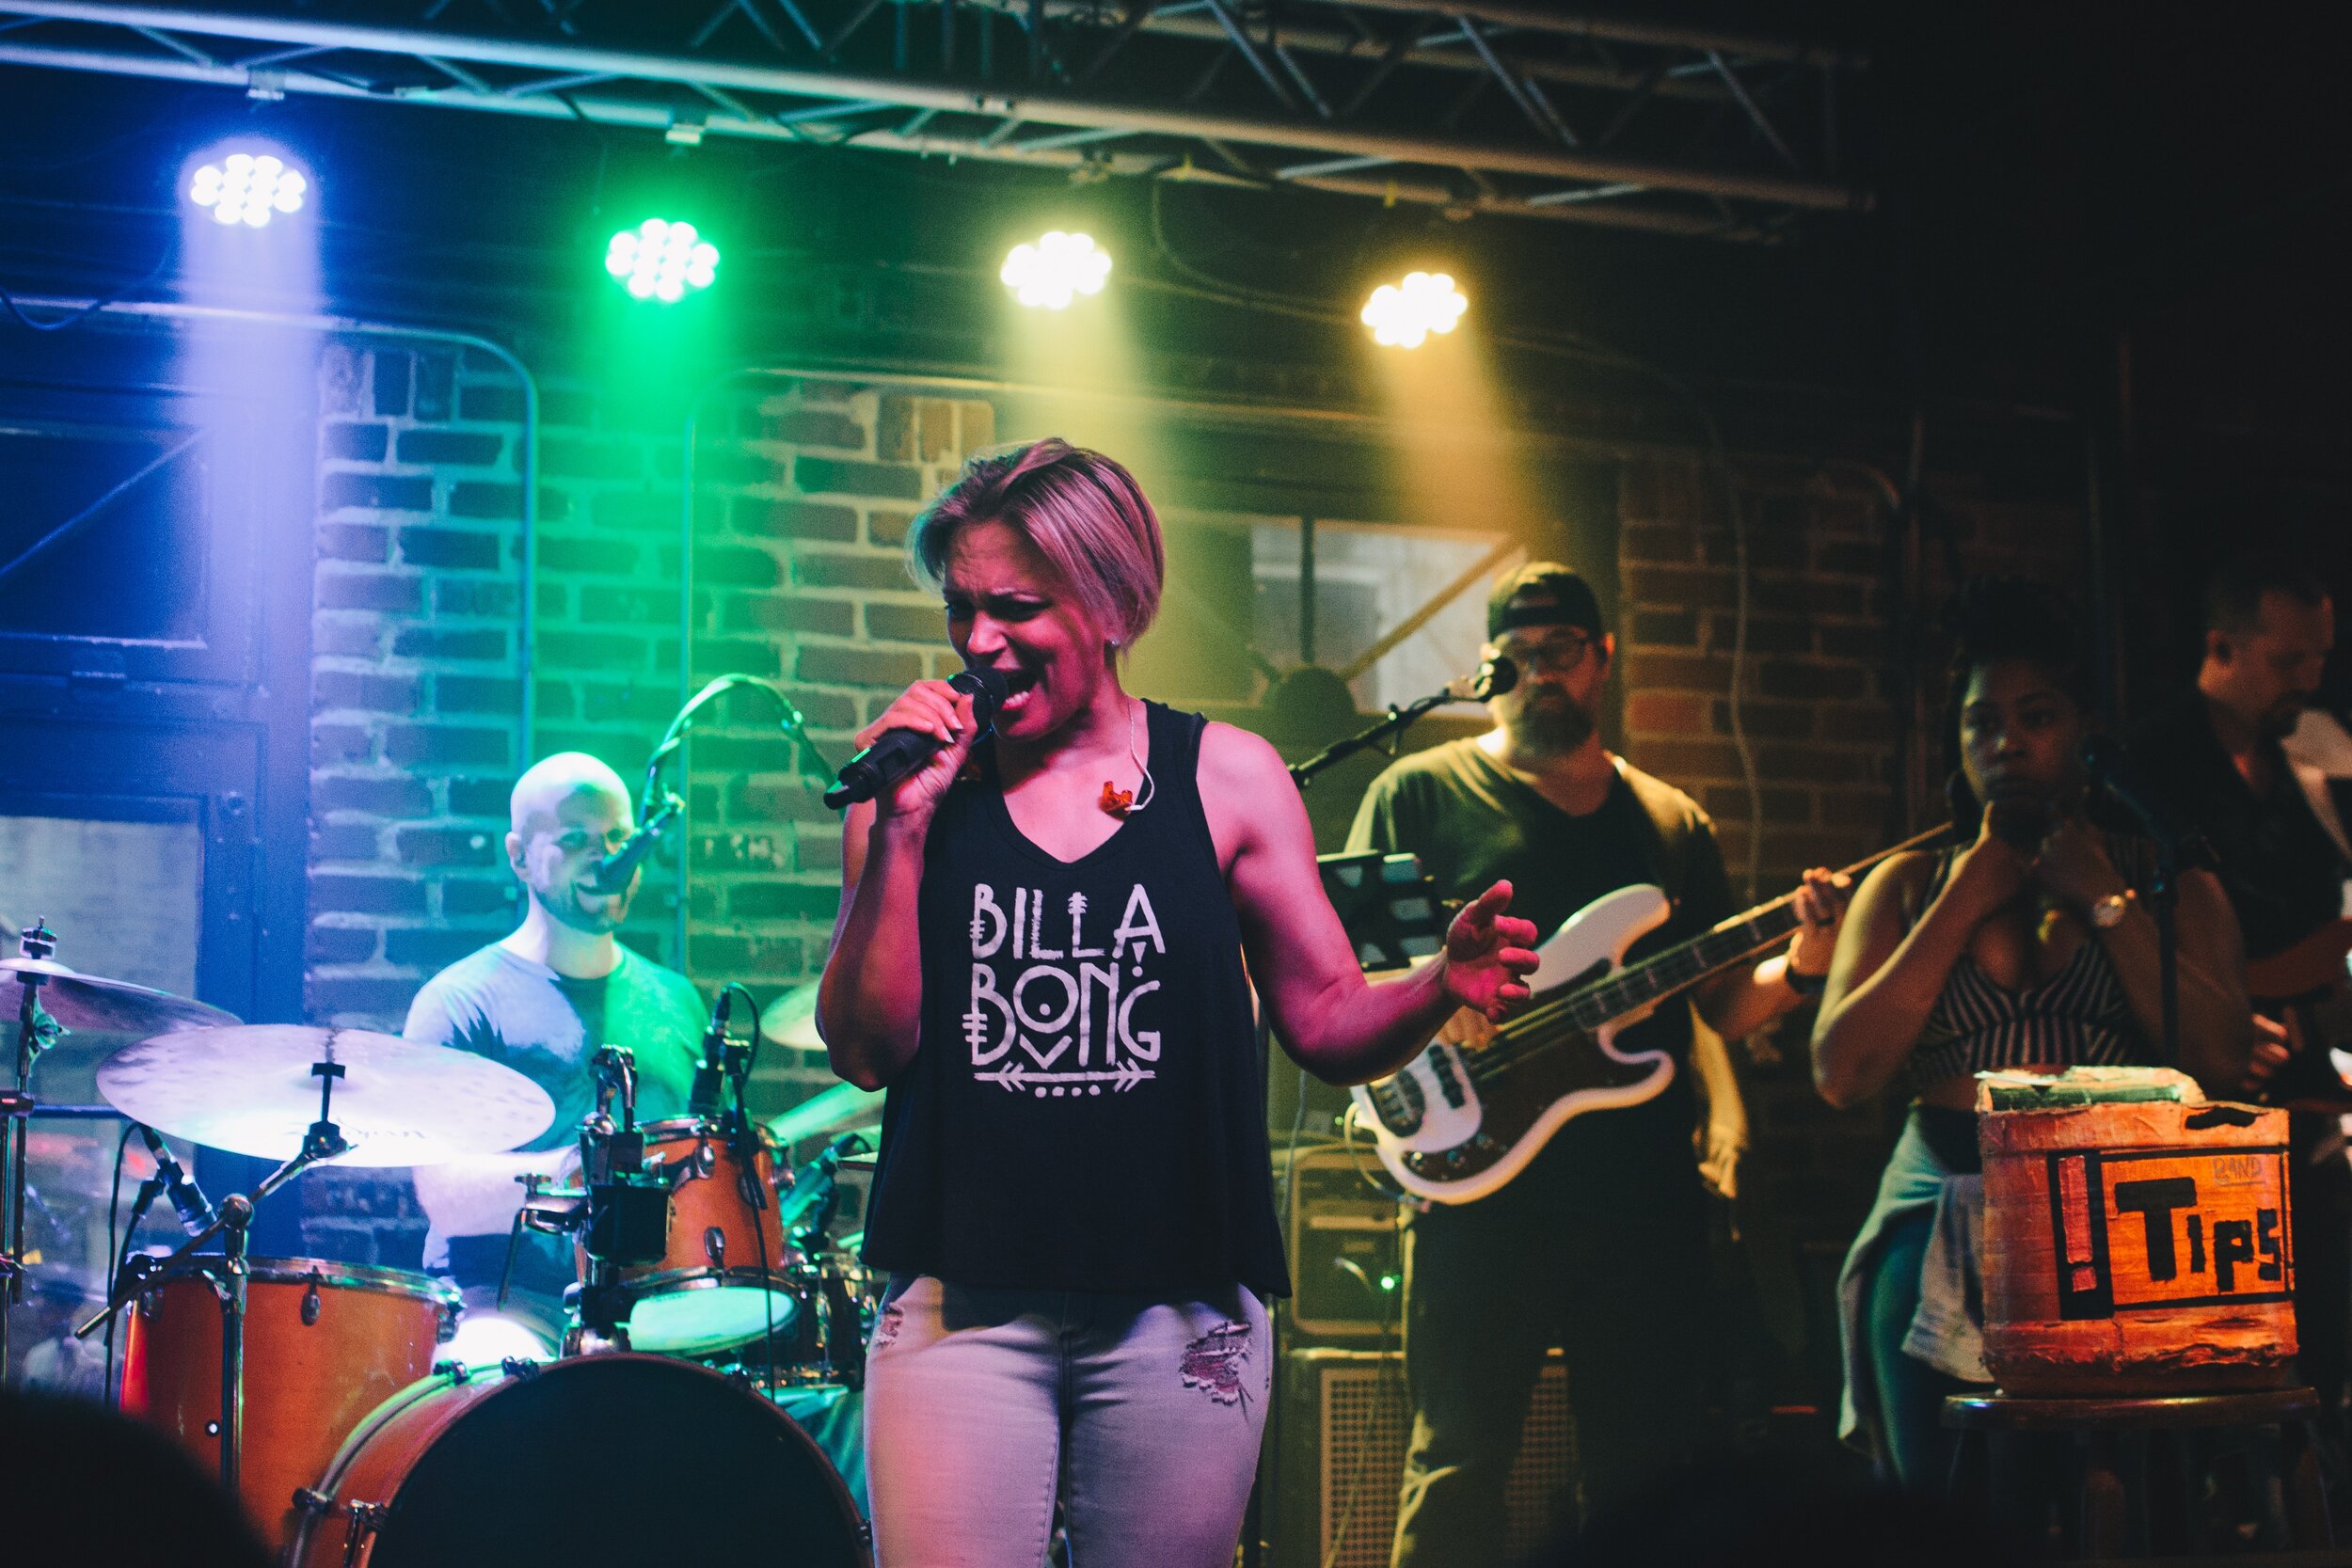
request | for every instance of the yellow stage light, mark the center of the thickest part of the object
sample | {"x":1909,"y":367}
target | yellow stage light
{"x":1055,"y":270}
{"x":1403,"y":316}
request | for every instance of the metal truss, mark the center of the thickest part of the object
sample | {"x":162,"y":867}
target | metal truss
{"x":1529,"y":109}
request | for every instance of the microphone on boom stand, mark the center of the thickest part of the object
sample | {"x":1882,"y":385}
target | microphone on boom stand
{"x":188,"y":1200}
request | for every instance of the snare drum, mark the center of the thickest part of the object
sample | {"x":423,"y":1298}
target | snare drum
{"x":490,"y":1469}
{"x":324,"y":1343}
{"x":728,"y":1276}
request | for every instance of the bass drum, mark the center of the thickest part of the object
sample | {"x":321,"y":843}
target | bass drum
{"x":615,"y":1458}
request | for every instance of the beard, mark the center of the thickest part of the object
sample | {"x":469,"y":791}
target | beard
{"x":1554,"y":721}
{"x":2280,"y":718}
{"x":594,"y":915}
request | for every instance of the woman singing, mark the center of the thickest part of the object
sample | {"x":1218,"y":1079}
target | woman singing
{"x":1041,"y":951}
{"x":2030,"y":948}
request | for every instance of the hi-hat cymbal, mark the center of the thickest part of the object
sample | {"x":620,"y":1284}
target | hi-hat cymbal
{"x":791,"y":1018}
{"x":93,"y":1004}
{"x":841,"y":1106}
{"x":250,"y":1090}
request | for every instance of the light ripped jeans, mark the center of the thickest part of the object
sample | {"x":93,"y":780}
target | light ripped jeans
{"x":1142,"y":1415}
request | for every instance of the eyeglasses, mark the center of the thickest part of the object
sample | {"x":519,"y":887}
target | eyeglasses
{"x":1556,"y":655}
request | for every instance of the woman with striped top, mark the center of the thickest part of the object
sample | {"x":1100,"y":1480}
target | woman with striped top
{"x":2030,"y":948}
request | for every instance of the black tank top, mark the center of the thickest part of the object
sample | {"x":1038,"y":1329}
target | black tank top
{"x":1086,"y":1107}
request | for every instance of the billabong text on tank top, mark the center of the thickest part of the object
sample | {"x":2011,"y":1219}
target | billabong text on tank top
{"x":1059,"y":1001}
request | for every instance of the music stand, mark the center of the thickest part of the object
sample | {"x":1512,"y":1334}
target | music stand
{"x":1389,"y":909}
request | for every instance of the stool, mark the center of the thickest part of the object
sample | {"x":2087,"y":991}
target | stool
{"x":2105,"y":1523}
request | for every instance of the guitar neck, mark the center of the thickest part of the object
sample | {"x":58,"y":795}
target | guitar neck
{"x":1681,"y":966}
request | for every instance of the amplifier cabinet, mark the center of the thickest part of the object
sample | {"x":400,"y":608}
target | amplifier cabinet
{"x":1339,"y":1456}
{"x":1346,"y":1253}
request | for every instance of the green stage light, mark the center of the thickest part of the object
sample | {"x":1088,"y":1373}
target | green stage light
{"x":660,"y":260}
{"x":1055,"y":270}
{"x":1403,"y":316}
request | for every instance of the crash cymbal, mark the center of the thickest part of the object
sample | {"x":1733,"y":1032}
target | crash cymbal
{"x":91,"y":1004}
{"x":791,"y":1018}
{"x":843,"y":1106}
{"x":250,"y":1090}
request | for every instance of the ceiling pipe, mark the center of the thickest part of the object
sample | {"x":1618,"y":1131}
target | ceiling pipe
{"x":1050,"y":108}
{"x":1623,"y":29}
{"x":1341,"y":43}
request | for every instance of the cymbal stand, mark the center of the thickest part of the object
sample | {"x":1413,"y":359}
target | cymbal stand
{"x":34,"y":1030}
{"x":231,"y":1222}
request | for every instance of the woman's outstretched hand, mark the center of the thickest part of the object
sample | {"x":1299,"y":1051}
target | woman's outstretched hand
{"x":1489,"y":955}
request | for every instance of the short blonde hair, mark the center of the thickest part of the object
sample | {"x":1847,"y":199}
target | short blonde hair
{"x":1083,"y":510}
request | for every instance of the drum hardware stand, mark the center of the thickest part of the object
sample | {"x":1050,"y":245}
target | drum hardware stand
{"x":232,"y":1223}
{"x":626,"y":1218}
{"x":34,"y":1030}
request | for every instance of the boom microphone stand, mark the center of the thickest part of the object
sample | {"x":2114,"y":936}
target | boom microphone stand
{"x":1494,"y":678}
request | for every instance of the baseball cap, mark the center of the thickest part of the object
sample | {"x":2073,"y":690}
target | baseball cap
{"x":1542,"y":594}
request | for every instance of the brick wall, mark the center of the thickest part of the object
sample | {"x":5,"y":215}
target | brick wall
{"x":803,"y":494}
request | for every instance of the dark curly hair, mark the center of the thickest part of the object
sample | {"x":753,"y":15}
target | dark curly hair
{"x":1990,"y":619}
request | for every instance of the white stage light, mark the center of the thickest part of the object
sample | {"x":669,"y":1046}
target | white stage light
{"x":248,"y":188}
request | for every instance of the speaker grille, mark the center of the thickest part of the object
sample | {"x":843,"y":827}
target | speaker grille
{"x":1364,"y":1422}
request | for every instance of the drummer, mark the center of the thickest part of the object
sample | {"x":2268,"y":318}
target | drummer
{"x":541,"y":1001}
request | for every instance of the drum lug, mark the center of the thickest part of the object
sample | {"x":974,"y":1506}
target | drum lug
{"x":310,"y":1301}
{"x":519,"y":1370}
{"x":715,"y":1247}
{"x":365,"y":1520}
{"x":309,"y":1500}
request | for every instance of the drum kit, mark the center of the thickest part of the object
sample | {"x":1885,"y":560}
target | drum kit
{"x":708,"y":1302}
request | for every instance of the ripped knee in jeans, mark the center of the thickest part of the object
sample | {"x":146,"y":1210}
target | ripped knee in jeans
{"x":1212,"y":1362}
{"x":886,"y":1326}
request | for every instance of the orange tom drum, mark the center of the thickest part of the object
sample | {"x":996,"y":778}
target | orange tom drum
{"x":728,"y":1276}
{"x":324,"y":1343}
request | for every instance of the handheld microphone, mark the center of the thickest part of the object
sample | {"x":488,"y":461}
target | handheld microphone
{"x":710,"y":1072}
{"x":895,"y":754}
{"x":188,"y":1200}
{"x":2103,"y":761}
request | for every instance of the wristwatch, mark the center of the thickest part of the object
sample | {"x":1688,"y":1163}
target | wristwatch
{"x":2108,"y":912}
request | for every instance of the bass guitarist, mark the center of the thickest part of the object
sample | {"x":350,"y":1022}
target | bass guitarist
{"x":1599,"y":1245}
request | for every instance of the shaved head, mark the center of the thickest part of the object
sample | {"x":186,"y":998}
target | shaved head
{"x":567,"y":814}
{"x":539,"y":795}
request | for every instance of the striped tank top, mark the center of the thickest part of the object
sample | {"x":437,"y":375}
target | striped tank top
{"x":2079,"y":1016}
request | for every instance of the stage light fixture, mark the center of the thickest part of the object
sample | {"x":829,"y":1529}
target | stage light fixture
{"x":661,"y":259}
{"x":248,"y":188}
{"x":1055,"y":270}
{"x":1404,"y":315}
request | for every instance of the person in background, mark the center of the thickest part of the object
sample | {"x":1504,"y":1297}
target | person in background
{"x":2215,"y":761}
{"x":2028,"y":947}
{"x":1600,"y":1244}
{"x":542,"y":1000}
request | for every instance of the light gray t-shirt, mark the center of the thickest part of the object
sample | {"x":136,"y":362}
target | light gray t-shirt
{"x":547,"y":1027}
